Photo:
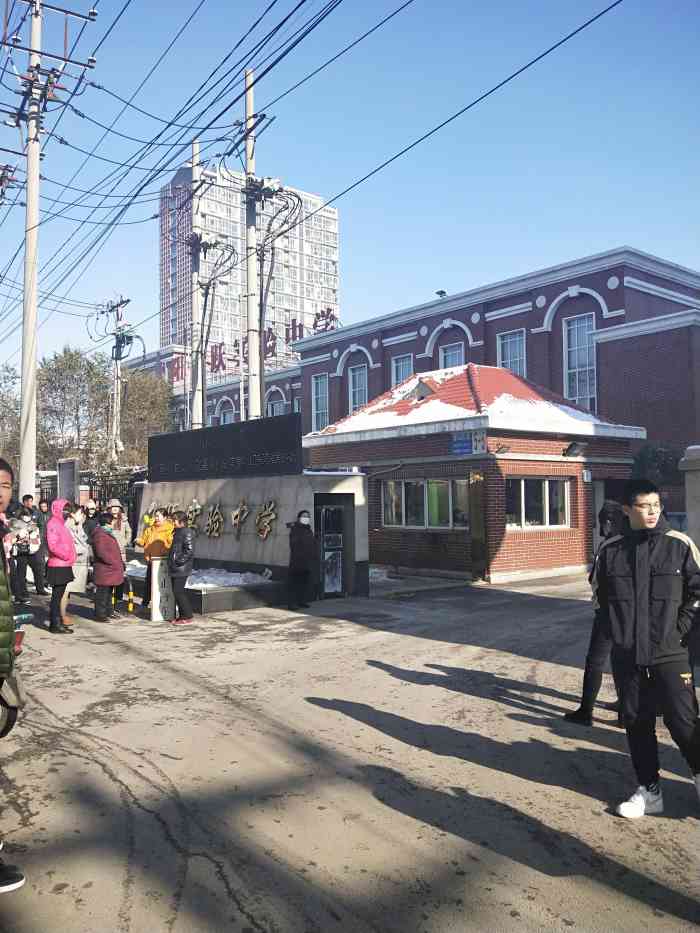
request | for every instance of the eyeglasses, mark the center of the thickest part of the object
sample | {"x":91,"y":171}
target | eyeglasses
{"x":648,"y":507}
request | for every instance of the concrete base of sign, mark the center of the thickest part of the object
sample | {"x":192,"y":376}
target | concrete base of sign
{"x":229,"y":598}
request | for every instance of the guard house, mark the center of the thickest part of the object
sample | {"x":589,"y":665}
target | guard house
{"x":476,"y":470}
{"x":243,"y":484}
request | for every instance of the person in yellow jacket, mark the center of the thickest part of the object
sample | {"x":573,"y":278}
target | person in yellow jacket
{"x":156,"y":541}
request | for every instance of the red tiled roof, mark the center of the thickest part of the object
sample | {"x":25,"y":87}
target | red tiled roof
{"x":489,"y":393}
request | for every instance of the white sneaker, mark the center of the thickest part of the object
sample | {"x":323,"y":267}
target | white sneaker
{"x":642,"y":802}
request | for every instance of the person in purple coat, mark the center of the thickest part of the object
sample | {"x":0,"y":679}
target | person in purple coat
{"x":108,"y":567}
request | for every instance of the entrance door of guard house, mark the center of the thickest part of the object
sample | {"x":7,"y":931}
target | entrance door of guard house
{"x":334,"y":522}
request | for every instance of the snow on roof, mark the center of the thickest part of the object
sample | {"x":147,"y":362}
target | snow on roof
{"x":465,"y":398}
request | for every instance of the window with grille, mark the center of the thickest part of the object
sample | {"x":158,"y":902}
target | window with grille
{"x":357,"y":386}
{"x":319,"y":401}
{"x":401,"y":368}
{"x":451,"y":355}
{"x":579,"y":361}
{"x":511,"y":352}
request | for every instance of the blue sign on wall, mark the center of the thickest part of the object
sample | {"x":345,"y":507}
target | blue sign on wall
{"x":461,"y":443}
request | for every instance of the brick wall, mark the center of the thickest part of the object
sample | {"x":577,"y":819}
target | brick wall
{"x":508,"y":550}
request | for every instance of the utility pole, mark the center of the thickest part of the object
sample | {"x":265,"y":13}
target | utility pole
{"x":123,"y":342}
{"x":39,"y":85}
{"x":27,"y":424}
{"x":198,"y":403}
{"x":241,"y":361}
{"x":251,"y":243}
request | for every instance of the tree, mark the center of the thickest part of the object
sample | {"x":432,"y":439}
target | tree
{"x":146,"y":409}
{"x":658,"y":464}
{"x":73,"y":408}
{"x":9,"y":414}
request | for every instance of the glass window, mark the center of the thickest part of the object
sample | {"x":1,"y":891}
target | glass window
{"x":297,"y":403}
{"x":511,"y":351}
{"x":226,"y":413}
{"x":534,"y":502}
{"x":438,"y":503}
{"x":452,"y":355}
{"x":319,"y":401}
{"x":460,"y":503}
{"x":357,"y":386}
{"x":392,"y":495}
{"x":513,"y":502}
{"x":401,"y":368}
{"x":557,"y":501}
{"x":275,"y":407}
{"x":414,"y":494}
{"x":579,"y":361}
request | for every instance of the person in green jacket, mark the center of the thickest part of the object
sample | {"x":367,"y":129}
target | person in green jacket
{"x":11,"y":877}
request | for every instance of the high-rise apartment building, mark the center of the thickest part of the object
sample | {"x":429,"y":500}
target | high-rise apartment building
{"x":301,"y":293}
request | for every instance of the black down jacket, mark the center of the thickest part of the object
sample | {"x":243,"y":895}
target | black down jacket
{"x":646,"y":587}
{"x":181,"y":557}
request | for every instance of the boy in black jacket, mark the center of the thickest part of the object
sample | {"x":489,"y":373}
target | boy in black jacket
{"x":181,"y":564}
{"x":647,"y":586}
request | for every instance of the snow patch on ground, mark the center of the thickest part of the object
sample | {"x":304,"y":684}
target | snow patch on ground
{"x":210,"y":578}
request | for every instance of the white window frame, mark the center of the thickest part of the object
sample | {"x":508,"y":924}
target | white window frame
{"x":425,"y":526}
{"x":394,"y":360}
{"x":565,"y":359}
{"x":544,"y":479}
{"x":315,"y":424}
{"x":296,"y":404}
{"x":450,"y":346}
{"x":359,"y":367}
{"x":499,"y":350}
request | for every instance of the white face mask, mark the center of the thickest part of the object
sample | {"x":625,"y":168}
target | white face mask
{"x":304,"y":520}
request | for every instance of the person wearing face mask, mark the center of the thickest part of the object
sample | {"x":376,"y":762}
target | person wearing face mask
{"x":26,"y":551}
{"x":302,"y":560}
{"x":62,"y":556}
{"x":92,"y":520}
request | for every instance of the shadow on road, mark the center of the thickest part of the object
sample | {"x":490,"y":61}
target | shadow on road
{"x":501,"y":829}
{"x":541,"y":628}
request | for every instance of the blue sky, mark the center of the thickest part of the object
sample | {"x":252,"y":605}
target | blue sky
{"x":593,"y":148}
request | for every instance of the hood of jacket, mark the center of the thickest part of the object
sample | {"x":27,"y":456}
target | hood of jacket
{"x":57,"y":507}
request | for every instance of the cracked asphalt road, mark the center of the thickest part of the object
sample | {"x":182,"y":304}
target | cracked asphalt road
{"x":384,"y":765}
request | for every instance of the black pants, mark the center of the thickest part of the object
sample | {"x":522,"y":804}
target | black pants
{"x":298,"y":587}
{"x":671,"y":688}
{"x":36,"y":563}
{"x":147,"y":586}
{"x":103,"y":602}
{"x":182,"y":600}
{"x":597,"y":659}
{"x":57,"y":591}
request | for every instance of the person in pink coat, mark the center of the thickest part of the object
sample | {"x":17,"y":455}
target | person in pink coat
{"x":62,"y":556}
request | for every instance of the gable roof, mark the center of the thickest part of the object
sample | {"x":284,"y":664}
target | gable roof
{"x":464,"y":398}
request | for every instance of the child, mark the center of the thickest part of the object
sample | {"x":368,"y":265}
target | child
{"x":180,"y":564}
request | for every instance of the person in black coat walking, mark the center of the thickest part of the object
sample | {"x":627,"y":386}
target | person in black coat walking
{"x":302,"y":560}
{"x":181,"y":564}
{"x":612,"y":521}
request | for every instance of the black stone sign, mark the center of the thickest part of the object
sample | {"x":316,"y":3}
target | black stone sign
{"x":265,"y":447}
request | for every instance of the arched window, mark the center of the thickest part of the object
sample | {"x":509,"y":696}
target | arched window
{"x":276,"y":403}
{"x":227,"y":415}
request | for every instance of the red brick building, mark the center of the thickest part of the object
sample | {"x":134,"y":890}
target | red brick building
{"x":476,"y":470}
{"x":617,"y":333}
